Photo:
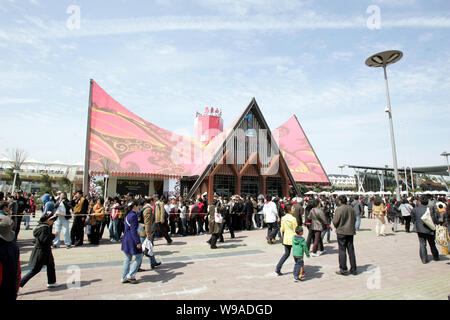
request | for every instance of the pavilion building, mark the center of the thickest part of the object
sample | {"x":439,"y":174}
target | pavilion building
{"x":245,"y":158}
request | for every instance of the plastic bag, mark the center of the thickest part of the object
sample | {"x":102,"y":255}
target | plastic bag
{"x":147,"y":248}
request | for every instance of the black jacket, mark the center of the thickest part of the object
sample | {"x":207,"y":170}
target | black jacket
{"x":22,"y":205}
{"x":9,"y":260}
{"x":248,"y":207}
{"x":394,"y":211}
{"x":419,"y":226}
{"x":237,"y":207}
{"x":298,"y":213}
{"x":42,"y":251}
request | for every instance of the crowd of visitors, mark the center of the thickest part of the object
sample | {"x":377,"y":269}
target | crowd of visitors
{"x":136,"y":221}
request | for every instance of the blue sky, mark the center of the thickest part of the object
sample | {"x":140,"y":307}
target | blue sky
{"x":165,"y":59}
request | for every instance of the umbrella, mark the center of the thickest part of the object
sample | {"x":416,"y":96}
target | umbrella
{"x":311,"y":192}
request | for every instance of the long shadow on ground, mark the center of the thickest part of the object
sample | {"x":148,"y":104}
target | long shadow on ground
{"x":61,"y":287}
{"x":164,"y":272}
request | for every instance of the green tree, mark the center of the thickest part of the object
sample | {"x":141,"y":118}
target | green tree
{"x":47,"y":181}
{"x":317,"y":188}
{"x":66,"y":184}
{"x":303,"y":189}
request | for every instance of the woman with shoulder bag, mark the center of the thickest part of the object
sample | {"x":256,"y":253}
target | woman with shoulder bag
{"x":131,"y":244}
{"x":379,"y":212}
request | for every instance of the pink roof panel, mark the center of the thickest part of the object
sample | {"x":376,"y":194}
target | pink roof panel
{"x":298,"y":153}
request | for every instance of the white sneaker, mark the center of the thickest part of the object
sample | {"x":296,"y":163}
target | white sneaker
{"x":52,"y":285}
{"x":314,"y":254}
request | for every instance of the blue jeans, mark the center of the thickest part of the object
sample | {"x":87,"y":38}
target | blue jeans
{"x":60,"y":223}
{"x":183,"y":226}
{"x":298,"y":268}
{"x":287,"y":253}
{"x":152,"y":258}
{"x":326,"y":231}
{"x":113,"y":229}
{"x":126,"y":273}
{"x":358,"y":222}
{"x":260,"y":220}
{"x":200,"y":223}
{"x":27,"y":220}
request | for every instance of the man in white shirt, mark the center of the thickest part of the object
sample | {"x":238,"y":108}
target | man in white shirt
{"x":272,"y":219}
{"x":406,"y":209}
{"x":64,"y":214}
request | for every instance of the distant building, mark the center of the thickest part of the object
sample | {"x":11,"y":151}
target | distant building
{"x":31,"y":175}
{"x":342,"y":181}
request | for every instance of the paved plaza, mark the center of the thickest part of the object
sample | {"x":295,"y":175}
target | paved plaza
{"x":243,"y":268}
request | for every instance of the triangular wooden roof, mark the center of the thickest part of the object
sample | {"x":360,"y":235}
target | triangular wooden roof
{"x":253,"y":105}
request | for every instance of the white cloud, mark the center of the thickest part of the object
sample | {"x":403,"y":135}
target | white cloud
{"x":425,"y":37}
{"x":10,"y":101}
{"x":395,"y":3}
{"x":308,"y":20}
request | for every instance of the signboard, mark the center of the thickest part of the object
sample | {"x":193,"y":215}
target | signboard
{"x":134,"y":186}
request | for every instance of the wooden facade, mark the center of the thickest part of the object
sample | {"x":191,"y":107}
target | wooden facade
{"x":248,"y":162}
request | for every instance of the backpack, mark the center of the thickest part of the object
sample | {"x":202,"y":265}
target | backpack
{"x":442,"y":236}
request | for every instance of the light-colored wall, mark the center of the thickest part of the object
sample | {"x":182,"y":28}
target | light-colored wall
{"x":112,"y":187}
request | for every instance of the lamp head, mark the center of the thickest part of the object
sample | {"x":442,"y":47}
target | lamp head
{"x":384,"y":58}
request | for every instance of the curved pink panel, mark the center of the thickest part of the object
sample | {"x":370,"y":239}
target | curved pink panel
{"x":299,"y":154}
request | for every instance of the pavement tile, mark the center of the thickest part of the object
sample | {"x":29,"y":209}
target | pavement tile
{"x":243,"y":268}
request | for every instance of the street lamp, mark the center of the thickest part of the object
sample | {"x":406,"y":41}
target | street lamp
{"x":446,"y":154}
{"x":15,"y":171}
{"x":383,"y":59}
{"x":342,"y":174}
{"x":106,"y":186}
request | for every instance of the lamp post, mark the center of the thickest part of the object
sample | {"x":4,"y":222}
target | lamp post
{"x":16,"y":171}
{"x":446,"y":154}
{"x":342,"y":174}
{"x":106,"y":186}
{"x":383,"y":59}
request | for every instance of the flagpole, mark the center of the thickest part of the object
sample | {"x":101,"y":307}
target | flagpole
{"x":88,"y":135}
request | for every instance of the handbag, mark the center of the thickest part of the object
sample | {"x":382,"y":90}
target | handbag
{"x":442,"y":236}
{"x":218,"y":217}
{"x":426,"y":218}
